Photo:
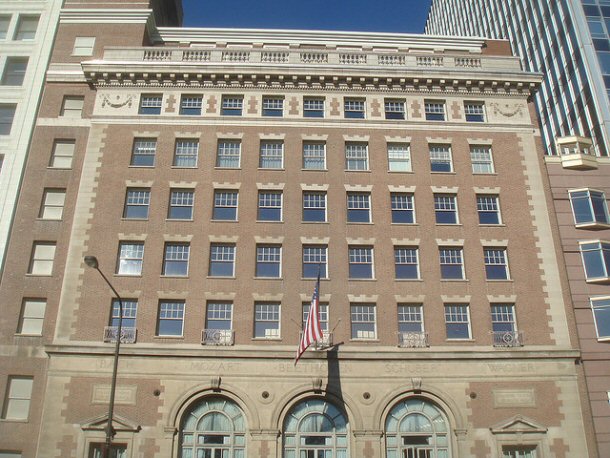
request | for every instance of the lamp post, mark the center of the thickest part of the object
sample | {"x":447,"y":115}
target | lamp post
{"x":91,"y":261}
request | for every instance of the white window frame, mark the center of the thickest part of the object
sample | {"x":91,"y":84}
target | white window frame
{"x":83,"y":46}
{"x":449,"y":319}
{"x":315,"y":106}
{"x":399,"y":157}
{"x":360,"y":313}
{"x":474,"y":111}
{"x":180,"y":254}
{"x":604,"y":305}
{"x":604,"y":246}
{"x":356,"y":156}
{"x":172,"y":313}
{"x":314,"y":152}
{"x":591,"y":194}
{"x":268,"y":312}
{"x":43,"y":258}
{"x":395,"y":108}
{"x":481,"y":159}
{"x":315,"y":254}
{"x":488,"y":203}
{"x":143,"y":148}
{"x":272,"y":106}
{"x":356,"y":108}
{"x":28,"y":33}
{"x":62,"y":154}
{"x":130,"y":254}
{"x":31,"y":320}
{"x":359,"y":202}
{"x":496,"y":256}
{"x":13,"y":74}
{"x":228,"y":150}
{"x":435,"y":110}
{"x":17,"y":399}
{"x":271,"y":155}
{"x":53,"y":202}
{"x":361,"y":255}
{"x":222,"y":254}
{"x":72,"y":107}
{"x":186,"y":153}
{"x":440,"y":156}
{"x":222,"y":200}
{"x":452,"y":256}
{"x":268,"y":255}
{"x":181,"y":198}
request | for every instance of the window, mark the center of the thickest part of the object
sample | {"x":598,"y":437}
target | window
{"x":457,"y":321}
{"x":358,"y":207}
{"x":219,"y":316}
{"x":131,"y":257}
{"x":353,"y":108}
{"x":445,"y":208}
{"x":14,"y":71}
{"x":363,"y":321}
{"x":356,"y":156}
{"x":7,"y":113}
{"x":63,"y":152}
{"x":17,"y":398}
{"x":503,"y":318}
{"x":273,"y":106}
{"x":181,"y":204}
{"x":314,"y":261}
{"x":394,"y":109}
{"x":143,"y":153}
{"x":268,"y":261}
{"x":329,"y":438}
{"x":596,"y":260}
{"x":435,"y":110}
{"x":222,"y":260}
{"x":269,"y":206}
{"x":83,"y":46}
{"x":322,"y":312}
{"x":516,"y":451}
{"x":496,"y":265}
{"x":225,"y":205}
{"x":406,"y":263}
{"x":232,"y":106}
{"x":601,"y":316}
{"x":399,"y":157}
{"x":5,"y":21}
{"x":313,"y":107}
{"x":314,"y":206}
{"x":176,"y":259}
{"x":228,"y":154}
{"x":52,"y":204}
{"x":481,"y":159}
{"x":130,"y":311}
{"x":488,"y":209}
{"x":43,"y":254}
{"x":589,"y":207}
{"x":314,"y":155}
{"x":360,"y":262}
{"x":266,"y":321}
{"x":32,"y":317}
{"x":475,"y":111}
{"x":186,"y":153}
{"x":212,"y":427}
{"x":403,"y":210}
{"x":96,"y":450}
{"x":452,"y":264}
{"x":26,"y":28}
{"x":137,"y":201}
{"x":271,"y":155}
{"x":190,"y":105}
{"x":171,"y":318}
{"x":5,"y":454}
{"x":410,"y":318}
{"x":440,"y":158}
{"x":72,"y":107}
{"x":150,"y":104}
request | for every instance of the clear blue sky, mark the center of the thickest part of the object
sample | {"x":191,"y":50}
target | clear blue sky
{"x":404,"y":16}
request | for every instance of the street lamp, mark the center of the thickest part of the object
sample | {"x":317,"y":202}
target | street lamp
{"x":91,"y":261}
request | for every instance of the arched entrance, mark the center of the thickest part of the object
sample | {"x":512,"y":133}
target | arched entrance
{"x":213,"y":427}
{"x":417,"y":428}
{"x":315,"y":428}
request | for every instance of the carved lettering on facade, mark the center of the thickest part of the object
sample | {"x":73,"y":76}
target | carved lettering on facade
{"x":514,"y":398}
{"x":125,"y":395}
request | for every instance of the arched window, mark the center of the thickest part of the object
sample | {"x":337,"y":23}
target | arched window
{"x":315,"y":428}
{"x":416,"y":428}
{"x":213,"y":428}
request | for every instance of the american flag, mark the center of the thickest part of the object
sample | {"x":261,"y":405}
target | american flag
{"x":313,"y":331}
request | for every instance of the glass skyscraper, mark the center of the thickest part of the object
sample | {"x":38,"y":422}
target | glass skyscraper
{"x":567,"y":40}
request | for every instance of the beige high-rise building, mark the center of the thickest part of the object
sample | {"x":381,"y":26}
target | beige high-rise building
{"x":214,"y":173}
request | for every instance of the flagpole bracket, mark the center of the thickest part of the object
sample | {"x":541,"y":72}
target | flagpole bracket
{"x":317,"y":385}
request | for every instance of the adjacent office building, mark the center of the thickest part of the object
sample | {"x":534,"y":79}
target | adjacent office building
{"x":27,"y":30}
{"x":214,"y":173}
{"x":568,"y":41}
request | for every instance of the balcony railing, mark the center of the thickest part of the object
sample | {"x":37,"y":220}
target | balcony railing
{"x":217,"y":337}
{"x":507,"y":338}
{"x":413,"y":339}
{"x":128,"y":335}
{"x":235,"y":56}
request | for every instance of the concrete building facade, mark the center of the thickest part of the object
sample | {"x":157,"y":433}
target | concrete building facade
{"x":213,"y":173}
{"x":27,"y":30}
{"x":569,"y":42}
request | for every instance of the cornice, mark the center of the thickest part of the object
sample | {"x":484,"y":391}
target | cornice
{"x":117,"y":75}
{"x":111,"y":16}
